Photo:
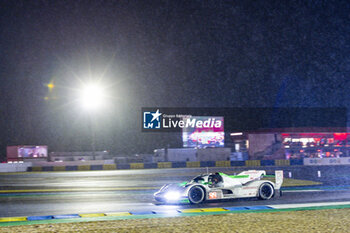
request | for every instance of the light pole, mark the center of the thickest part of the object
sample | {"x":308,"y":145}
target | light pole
{"x":92,"y":134}
{"x":92,"y":99}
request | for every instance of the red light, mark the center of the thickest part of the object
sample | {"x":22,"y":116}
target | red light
{"x":340,"y":136}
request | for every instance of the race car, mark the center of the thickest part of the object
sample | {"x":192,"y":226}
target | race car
{"x":218,"y":186}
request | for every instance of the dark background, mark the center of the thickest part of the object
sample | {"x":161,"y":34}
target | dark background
{"x":162,"y":53}
{"x":245,"y":119}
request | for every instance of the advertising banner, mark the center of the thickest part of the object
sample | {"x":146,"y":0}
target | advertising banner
{"x":327,"y":161}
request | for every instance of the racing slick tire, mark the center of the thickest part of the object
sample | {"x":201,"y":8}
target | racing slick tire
{"x":196,"y":195}
{"x":266,"y":191}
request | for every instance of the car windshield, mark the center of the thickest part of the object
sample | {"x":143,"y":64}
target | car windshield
{"x":199,"y":179}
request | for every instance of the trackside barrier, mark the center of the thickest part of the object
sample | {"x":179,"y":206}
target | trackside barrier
{"x":59,"y":168}
{"x":123,"y":166}
{"x":247,"y":163}
{"x":71,"y":168}
{"x":15,"y":167}
{"x":237,"y":163}
{"x":208,"y":163}
{"x":178,"y":164}
{"x":193,"y":164}
{"x":252,"y":163}
{"x":282,"y":162}
{"x":267,"y":163}
{"x":151,"y":165}
{"x":136,"y":165}
{"x":164,"y":165}
{"x":109,"y":166}
{"x":327,"y":161}
{"x":37,"y":169}
{"x":84,"y":167}
{"x":47,"y":168}
{"x":223,"y":164}
{"x":96,"y":167}
{"x":296,"y":162}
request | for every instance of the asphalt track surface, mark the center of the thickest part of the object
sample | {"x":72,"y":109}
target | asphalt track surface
{"x":50,"y":193}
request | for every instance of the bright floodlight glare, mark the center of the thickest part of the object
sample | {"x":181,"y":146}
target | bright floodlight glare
{"x":92,"y":96}
{"x":172,"y":196}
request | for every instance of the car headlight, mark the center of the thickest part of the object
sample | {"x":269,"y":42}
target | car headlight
{"x":172,"y":196}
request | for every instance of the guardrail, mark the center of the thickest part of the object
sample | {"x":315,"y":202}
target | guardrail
{"x":247,"y":163}
{"x":14,"y":167}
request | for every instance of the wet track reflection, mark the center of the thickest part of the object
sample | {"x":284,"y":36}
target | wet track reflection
{"x":117,"y":191}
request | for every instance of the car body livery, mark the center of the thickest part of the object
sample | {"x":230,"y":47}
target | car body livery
{"x":217,"y":186}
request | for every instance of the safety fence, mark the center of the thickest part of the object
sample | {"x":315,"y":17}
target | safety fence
{"x":247,"y":163}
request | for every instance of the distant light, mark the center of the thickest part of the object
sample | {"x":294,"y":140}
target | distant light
{"x":236,"y":134}
{"x":50,"y":86}
{"x":92,"y":96}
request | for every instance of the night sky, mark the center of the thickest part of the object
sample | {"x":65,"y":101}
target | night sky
{"x":162,"y":53}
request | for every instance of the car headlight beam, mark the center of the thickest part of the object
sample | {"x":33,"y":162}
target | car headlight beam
{"x":172,"y":196}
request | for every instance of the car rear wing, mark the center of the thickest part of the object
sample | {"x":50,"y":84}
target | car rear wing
{"x":278,"y":179}
{"x":249,"y":176}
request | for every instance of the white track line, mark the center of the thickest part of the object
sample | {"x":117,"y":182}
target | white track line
{"x":286,"y":206}
{"x":300,"y":191}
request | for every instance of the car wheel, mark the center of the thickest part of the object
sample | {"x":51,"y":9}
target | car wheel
{"x":266,"y":191}
{"x":196,"y":195}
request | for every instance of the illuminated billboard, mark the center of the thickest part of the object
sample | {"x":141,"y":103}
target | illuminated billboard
{"x":18,"y":153}
{"x":32,"y":152}
{"x":206,"y":131}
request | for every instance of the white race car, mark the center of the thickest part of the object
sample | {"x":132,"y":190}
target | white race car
{"x":216,"y":186}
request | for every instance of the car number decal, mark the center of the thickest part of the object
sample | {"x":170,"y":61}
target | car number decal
{"x":213,"y":195}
